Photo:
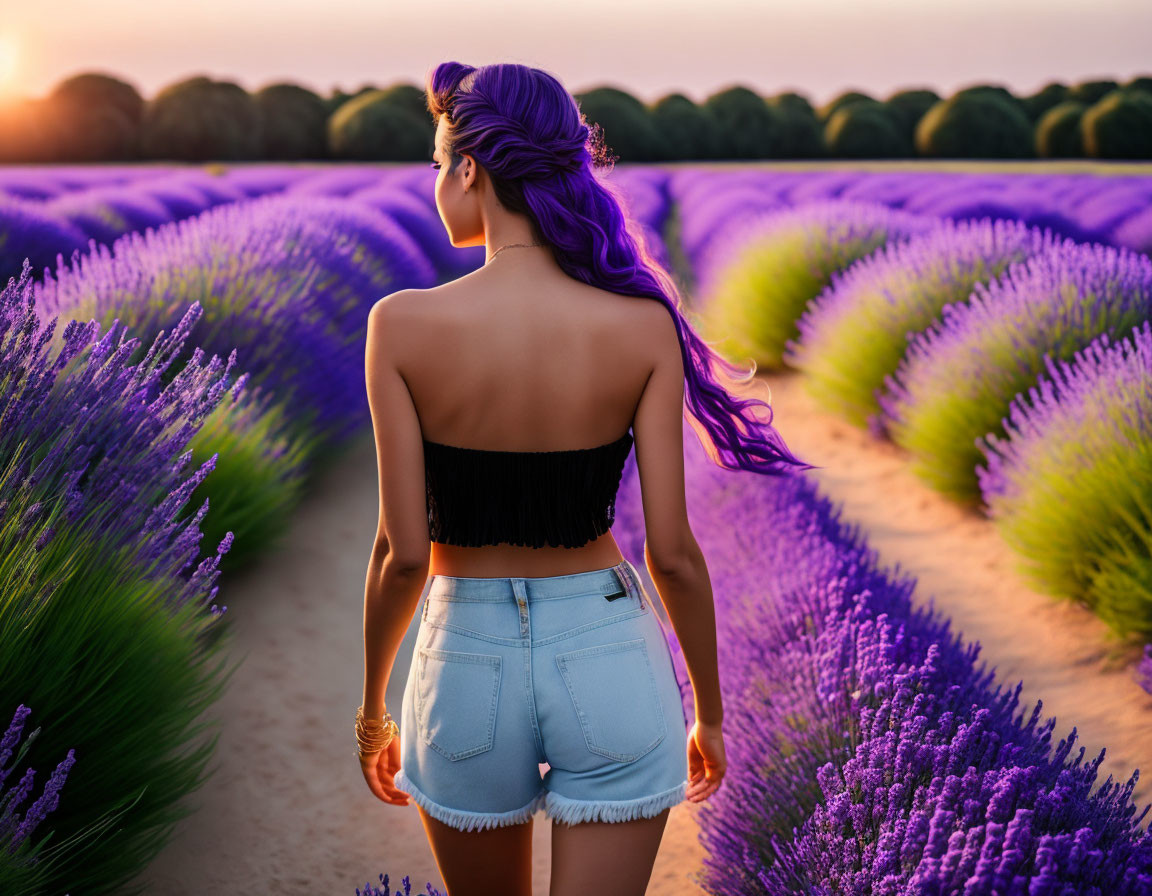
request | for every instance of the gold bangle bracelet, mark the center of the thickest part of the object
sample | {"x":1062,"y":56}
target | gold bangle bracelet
{"x":374,"y":735}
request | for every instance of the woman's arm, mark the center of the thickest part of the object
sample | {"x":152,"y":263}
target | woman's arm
{"x":391,"y":595}
{"x":398,"y":568}
{"x":673,"y":557}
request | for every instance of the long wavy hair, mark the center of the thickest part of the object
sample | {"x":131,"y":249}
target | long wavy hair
{"x":544,"y":161}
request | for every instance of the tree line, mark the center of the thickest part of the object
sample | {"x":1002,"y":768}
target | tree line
{"x":93,"y":116}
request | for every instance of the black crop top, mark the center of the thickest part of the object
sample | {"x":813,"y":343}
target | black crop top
{"x":532,"y":498}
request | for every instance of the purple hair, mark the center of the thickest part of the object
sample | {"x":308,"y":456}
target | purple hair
{"x":528,"y":133}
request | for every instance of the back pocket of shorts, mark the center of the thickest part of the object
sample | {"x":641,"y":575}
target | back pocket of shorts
{"x":456,"y":698}
{"x":614,"y":694}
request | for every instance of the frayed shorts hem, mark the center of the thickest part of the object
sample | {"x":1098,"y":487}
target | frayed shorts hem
{"x":462,"y":819}
{"x":570,"y":811}
{"x":556,"y":807}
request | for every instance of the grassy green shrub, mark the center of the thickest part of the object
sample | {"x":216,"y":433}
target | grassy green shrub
{"x":799,"y":132}
{"x":1089,"y":92}
{"x":959,"y":376}
{"x":749,"y":127}
{"x":1058,"y":131}
{"x":686,"y":130}
{"x":199,"y":119}
{"x":293,"y":122}
{"x":842,"y":101}
{"x":1044,"y":99}
{"x":975,"y":125}
{"x":95,"y":117}
{"x":121,"y":673}
{"x":866,"y":131}
{"x":628,"y":127}
{"x":373,"y":127}
{"x":1119,"y":126}
{"x":908,"y":107}
{"x":28,"y":857}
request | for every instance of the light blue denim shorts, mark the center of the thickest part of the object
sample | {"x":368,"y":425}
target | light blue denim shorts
{"x":509,"y":674}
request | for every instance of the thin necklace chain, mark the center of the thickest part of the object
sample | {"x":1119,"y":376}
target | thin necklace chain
{"x":513,"y":246}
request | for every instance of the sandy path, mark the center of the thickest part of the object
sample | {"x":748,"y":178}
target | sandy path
{"x":287,"y":808}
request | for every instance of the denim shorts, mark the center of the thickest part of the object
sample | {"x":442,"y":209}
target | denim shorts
{"x":571,"y":671}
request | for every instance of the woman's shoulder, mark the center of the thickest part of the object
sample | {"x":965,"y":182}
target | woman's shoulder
{"x":641,"y":316}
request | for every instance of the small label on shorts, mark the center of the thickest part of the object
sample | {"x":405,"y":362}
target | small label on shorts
{"x":615,"y":595}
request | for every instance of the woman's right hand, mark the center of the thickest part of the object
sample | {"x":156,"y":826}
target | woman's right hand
{"x":706,"y":761}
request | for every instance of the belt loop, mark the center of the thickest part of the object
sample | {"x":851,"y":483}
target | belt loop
{"x":634,"y":578}
{"x":624,"y":574}
{"x":520,"y":590}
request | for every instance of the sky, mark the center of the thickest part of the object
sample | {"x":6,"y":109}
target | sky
{"x":816,"y":47}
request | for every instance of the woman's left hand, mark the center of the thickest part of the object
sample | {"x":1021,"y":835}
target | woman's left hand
{"x":380,"y":772}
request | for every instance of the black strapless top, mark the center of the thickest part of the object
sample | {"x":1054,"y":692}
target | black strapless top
{"x":533,"y":498}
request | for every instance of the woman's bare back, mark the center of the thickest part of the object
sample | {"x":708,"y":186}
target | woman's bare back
{"x":501,"y":361}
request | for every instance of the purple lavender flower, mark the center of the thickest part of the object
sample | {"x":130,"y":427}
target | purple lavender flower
{"x":11,"y":738}
{"x":103,"y":592}
{"x":264,"y":180}
{"x":109,"y":424}
{"x":1134,"y":232}
{"x":15,"y":831}
{"x":48,"y":800}
{"x":384,"y":890}
{"x":9,"y":819}
{"x":1144,"y":669}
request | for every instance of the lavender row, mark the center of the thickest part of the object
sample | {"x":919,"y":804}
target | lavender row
{"x":1069,"y":485}
{"x":94,"y":556}
{"x":867,"y":750}
{"x":108,"y":619}
{"x":281,"y":279}
{"x":925,"y":331}
{"x":935,"y":342}
{"x":957,"y":378}
{"x":855,"y":333}
{"x":1114,"y":209}
{"x":50,"y":212}
{"x":287,"y":282}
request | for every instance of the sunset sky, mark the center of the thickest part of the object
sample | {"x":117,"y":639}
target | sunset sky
{"x":818,"y":47}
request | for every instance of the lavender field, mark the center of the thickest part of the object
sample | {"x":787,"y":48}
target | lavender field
{"x":182,"y":355}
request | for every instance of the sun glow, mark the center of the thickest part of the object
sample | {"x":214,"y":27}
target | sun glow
{"x":8,"y":60}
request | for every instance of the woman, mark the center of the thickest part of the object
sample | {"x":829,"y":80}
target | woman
{"x":504,"y":405}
